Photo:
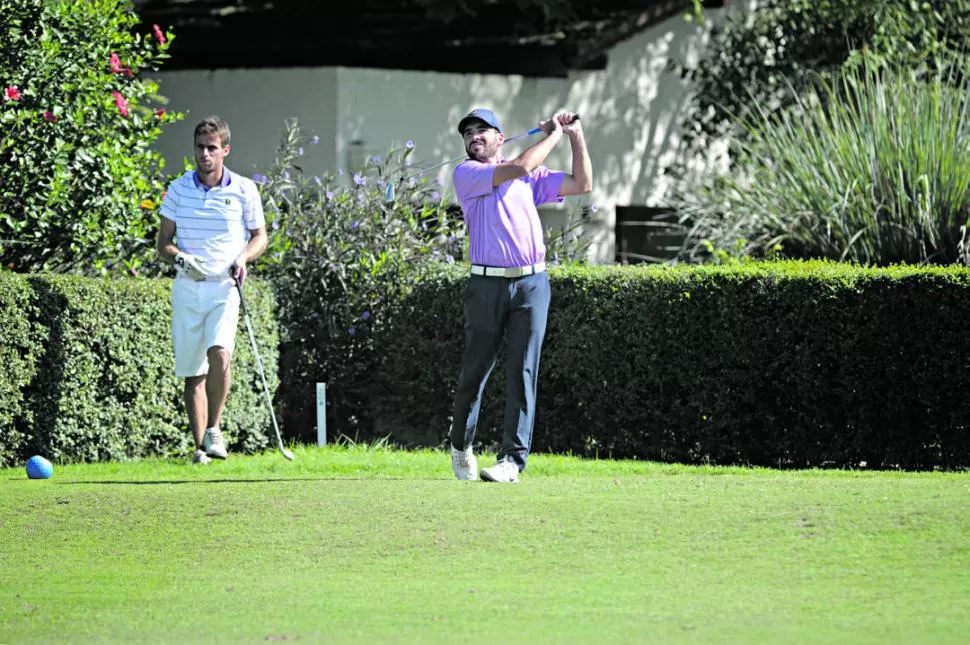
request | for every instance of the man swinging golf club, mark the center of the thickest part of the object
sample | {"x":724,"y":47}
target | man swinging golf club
{"x":218,"y":218}
{"x":508,"y":290}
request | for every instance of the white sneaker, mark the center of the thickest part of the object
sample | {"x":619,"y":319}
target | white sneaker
{"x":464,"y":464}
{"x":200,"y":458}
{"x":504,"y":471}
{"x":212,"y":443}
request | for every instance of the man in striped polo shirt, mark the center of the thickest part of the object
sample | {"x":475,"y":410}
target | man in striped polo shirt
{"x":216,"y":216}
{"x":508,"y":290}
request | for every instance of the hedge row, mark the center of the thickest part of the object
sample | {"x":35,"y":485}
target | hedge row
{"x":779,"y":364}
{"x":87,"y":371}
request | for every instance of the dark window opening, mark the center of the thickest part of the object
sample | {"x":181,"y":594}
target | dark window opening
{"x":646,"y":234}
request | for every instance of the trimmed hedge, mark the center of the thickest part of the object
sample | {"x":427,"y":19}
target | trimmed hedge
{"x":793,"y":364}
{"x":87,"y":371}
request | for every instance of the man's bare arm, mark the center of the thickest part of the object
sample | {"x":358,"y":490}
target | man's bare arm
{"x":580,"y":181}
{"x":165,"y":244}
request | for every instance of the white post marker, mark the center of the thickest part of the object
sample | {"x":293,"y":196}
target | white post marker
{"x":321,"y":414}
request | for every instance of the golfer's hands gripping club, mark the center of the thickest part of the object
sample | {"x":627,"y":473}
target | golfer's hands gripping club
{"x":238,"y":271}
{"x":192,"y":266}
{"x":564,"y":122}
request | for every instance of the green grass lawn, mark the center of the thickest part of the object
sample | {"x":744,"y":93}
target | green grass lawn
{"x":357,"y":545}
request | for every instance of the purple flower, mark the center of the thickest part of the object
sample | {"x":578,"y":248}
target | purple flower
{"x":594,"y":208}
{"x":276,"y":225}
{"x":316,"y":139}
{"x":329,"y":194}
{"x":409,"y":144}
{"x":435,"y":196}
{"x":260,"y":179}
{"x":365,"y":315}
{"x":300,"y":151}
{"x":318,"y":181}
{"x":354,"y":225}
{"x":376,"y":158}
{"x":412,"y":181}
{"x":351,"y":331}
{"x":359,"y":179}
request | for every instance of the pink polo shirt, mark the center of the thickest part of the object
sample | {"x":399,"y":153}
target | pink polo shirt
{"x":503,"y":223}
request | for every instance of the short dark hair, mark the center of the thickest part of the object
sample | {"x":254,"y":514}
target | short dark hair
{"x":213,"y":125}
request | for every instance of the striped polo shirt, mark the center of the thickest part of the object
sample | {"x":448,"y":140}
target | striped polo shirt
{"x":214,"y":223}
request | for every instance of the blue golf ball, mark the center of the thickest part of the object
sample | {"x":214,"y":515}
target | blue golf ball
{"x":39,"y":468}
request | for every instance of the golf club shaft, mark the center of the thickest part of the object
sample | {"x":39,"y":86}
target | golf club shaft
{"x":259,"y":365}
{"x":530,"y":133}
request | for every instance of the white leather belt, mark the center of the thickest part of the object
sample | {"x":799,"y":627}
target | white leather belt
{"x":181,"y":275}
{"x":508,"y":272}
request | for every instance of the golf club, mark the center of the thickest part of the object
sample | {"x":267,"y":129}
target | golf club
{"x":259,"y":364}
{"x":389,"y":191}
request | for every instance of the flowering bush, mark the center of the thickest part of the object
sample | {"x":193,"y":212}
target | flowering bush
{"x":80,"y":179}
{"x":339,"y":255}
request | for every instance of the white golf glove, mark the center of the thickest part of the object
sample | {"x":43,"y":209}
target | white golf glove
{"x":192,"y":266}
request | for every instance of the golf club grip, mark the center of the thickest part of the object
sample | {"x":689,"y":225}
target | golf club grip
{"x":242,"y":298}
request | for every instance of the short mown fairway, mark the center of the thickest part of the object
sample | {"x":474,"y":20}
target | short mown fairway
{"x":350,"y":545}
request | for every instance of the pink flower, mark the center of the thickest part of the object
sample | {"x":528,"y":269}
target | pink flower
{"x":120,"y":102}
{"x":49,"y":117}
{"x":160,"y":112}
{"x":115,"y":63}
{"x":159,"y":36}
{"x":12,"y":93}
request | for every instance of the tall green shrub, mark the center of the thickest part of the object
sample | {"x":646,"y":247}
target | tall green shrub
{"x":754,"y":60}
{"x":872,"y":168}
{"x":339,"y":253}
{"x":78,"y":122}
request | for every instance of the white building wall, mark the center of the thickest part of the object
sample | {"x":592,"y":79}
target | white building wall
{"x":629,"y":113}
{"x":256,"y":104}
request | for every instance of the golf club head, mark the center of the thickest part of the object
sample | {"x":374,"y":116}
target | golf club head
{"x":287,"y":453}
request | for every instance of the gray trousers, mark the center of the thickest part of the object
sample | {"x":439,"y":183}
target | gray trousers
{"x":517,"y":308}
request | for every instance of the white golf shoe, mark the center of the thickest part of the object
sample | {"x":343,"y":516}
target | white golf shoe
{"x":504,"y":471}
{"x":464,"y":464}
{"x":212,"y":443}
{"x":200,"y":458}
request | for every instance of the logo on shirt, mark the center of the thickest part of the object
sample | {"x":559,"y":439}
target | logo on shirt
{"x":228,"y":201}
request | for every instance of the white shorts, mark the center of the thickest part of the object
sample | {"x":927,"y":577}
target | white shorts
{"x":204,"y":315}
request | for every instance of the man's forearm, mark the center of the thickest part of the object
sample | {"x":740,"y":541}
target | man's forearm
{"x":167,"y":252}
{"x":582,"y":166}
{"x":533,"y":157}
{"x":255,"y":247}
